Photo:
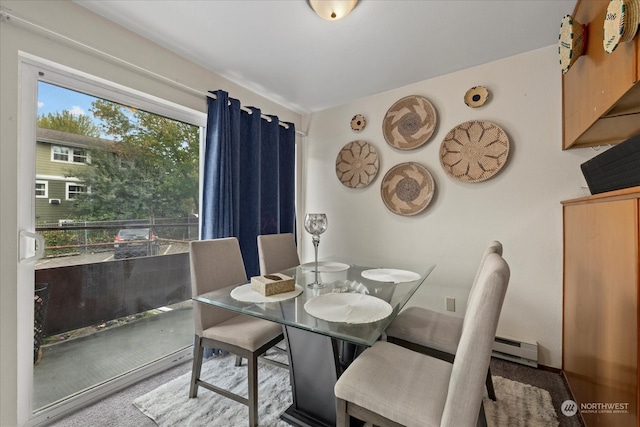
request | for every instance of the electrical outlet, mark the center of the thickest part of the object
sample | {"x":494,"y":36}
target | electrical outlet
{"x":450,"y":303}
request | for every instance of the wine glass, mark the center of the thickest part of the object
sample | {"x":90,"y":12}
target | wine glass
{"x":315,"y":224}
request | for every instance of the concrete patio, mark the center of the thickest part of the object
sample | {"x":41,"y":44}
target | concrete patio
{"x":71,"y":366}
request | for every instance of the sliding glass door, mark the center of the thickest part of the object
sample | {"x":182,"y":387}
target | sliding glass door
{"x":114,"y":195}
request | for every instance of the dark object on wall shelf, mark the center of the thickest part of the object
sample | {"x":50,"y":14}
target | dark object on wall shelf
{"x":615,"y":169}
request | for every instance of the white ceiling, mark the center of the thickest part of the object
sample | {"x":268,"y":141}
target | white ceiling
{"x":282,"y":50}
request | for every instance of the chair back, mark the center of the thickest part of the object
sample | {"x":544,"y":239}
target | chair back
{"x":215,"y":264}
{"x":277,"y":252}
{"x":494,"y":247}
{"x":469,"y":371}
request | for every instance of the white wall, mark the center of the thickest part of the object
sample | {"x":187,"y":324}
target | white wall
{"x":78,"y":23}
{"x":520,"y":206}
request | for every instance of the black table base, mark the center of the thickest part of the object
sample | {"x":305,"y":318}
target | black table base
{"x":316,"y":361}
{"x":314,"y":370}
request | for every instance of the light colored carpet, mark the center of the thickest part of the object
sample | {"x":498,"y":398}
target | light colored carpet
{"x":169,"y":405}
{"x":519,"y":405}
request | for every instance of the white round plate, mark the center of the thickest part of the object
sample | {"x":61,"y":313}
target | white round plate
{"x":244,"y":293}
{"x":348,"y":308}
{"x":325,"y":266}
{"x":390,"y":275}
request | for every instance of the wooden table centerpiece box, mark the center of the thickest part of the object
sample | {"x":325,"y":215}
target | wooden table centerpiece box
{"x":272,"y":284}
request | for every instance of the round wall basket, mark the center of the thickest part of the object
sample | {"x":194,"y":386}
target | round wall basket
{"x":571,"y":42}
{"x":474,"y":151}
{"x":357,"y":164}
{"x":358,"y":123}
{"x":620,"y":23}
{"x":476,"y":96}
{"x":407,"y":189}
{"x":409,"y":122}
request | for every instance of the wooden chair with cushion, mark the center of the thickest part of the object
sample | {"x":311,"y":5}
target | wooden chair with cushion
{"x":389,"y":385}
{"x":277,"y":252}
{"x":216,"y":264}
{"x":434,"y":333}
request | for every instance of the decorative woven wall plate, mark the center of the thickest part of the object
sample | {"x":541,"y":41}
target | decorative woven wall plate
{"x":358,"y":122}
{"x":615,"y":21}
{"x":409,"y":122}
{"x":474,"y":151}
{"x":631,"y":20}
{"x":571,"y":42}
{"x":357,"y":164}
{"x":407,"y":188}
{"x":476,"y":96}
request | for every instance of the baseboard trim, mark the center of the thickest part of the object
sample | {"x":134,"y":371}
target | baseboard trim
{"x":551,"y":369}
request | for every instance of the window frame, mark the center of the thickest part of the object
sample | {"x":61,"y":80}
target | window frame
{"x":83,"y":154}
{"x":34,"y":69}
{"x":46,"y":189}
{"x":75,"y":184}
{"x":70,"y":154}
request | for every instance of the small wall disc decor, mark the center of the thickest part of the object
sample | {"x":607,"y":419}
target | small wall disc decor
{"x":409,"y":122}
{"x":476,"y":96}
{"x":407,"y":188}
{"x":358,"y":122}
{"x":474,"y":151}
{"x":357,"y":164}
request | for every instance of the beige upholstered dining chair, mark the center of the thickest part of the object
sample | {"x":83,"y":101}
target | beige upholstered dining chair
{"x":277,"y":252}
{"x":389,"y":385}
{"x":434,"y":333}
{"x":216,"y":264}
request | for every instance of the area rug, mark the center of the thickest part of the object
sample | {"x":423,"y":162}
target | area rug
{"x":169,"y":405}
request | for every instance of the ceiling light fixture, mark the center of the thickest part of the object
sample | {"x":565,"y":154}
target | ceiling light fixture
{"x":332,"y":10}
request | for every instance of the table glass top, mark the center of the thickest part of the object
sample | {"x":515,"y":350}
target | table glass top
{"x":291,"y":312}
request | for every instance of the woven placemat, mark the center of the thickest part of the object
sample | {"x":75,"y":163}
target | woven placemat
{"x":407,"y":188}
{"x":571,"y":42}
{"x":409,"y":123}
{"x":474,"y":151}
{"x":357,"y":164}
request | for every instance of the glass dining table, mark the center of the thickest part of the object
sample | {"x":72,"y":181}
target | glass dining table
{"x":319,"y":345}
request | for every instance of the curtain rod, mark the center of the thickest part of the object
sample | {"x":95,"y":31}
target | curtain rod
{"x":7,"y":15}
{"x":250,"y":111}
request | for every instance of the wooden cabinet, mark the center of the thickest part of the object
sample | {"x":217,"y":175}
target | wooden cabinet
{"x":601,"y":97}
{"x":600,"y":306}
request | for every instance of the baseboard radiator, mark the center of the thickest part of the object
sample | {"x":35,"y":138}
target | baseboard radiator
{"x":514,"y":350}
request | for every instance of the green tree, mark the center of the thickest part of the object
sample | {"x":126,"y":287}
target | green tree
{"x":67,"y":122}
{"x":151,"y":169}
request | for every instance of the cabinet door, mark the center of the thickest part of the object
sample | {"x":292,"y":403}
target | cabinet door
{"x":600,"y":338}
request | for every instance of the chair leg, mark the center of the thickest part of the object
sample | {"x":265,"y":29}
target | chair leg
{"x":490,"y":390}
{"x":482,"y":417}
{"x":342,"y":417}
{"x":238,"y":361}
{"x":253,"y":389}
{"x":198,"y":352}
